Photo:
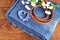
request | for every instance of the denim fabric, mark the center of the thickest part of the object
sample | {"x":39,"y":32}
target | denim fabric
{"x":41,"y":31}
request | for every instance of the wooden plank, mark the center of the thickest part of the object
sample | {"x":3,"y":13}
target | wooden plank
{"x":5,"y":3}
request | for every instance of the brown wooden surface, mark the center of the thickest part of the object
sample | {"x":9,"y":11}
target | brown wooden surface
{"x":10,"y":32}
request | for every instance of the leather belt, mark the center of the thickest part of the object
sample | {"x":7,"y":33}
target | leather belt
{"x":41,"y":20}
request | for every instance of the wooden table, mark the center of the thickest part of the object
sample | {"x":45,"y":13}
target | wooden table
{"x":10,"y":32}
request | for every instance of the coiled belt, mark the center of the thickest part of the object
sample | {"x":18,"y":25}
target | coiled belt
{"x":41,"y":20}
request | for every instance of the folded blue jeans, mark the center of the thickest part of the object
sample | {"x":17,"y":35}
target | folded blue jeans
{"x":41,"y":31}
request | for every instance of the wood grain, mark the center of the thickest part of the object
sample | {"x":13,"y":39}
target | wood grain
{"x":10,"y":32}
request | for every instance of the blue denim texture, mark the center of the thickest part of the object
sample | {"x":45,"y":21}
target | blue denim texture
{"x":41,"y":31}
